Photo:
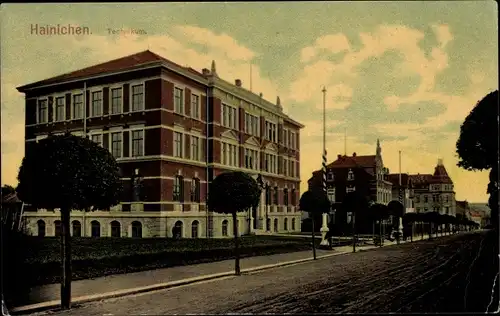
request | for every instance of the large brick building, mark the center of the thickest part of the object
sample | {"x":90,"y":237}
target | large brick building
{"x":172,"y":130}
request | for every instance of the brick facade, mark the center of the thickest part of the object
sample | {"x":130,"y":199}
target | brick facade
{"x":163,"y":160}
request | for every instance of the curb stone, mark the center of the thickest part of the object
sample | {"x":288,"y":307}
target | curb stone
{"x":54,"y":305}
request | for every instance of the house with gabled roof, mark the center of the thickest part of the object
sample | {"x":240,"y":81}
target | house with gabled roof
{"x":434,"y":192}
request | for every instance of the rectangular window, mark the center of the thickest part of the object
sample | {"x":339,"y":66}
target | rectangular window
{"x":116,"y":144}
{"x":270,"y":131}
{"x":178,"y":192}
{"x":137,"y":143}
{"x":426,"y":199}
{"x":223,"y":150}
{"x":43,"y":111}
{"x":292,"y":169}
{"x":275,"y":198}
{"x":195,"y":106}
{"x":97,"y":138}
{"x":77,"y":106}
{"x":138,"y":97}
{"x":116,"y":101}
{"x":97,"y":103}
{"x":179,"y":100}
{"x":285,"y":138}
{"x":195,"y":148}
{"x":286,"y":167}
{"x":285,"y":197}
{"x":251,"y":124}
{"x":292,"y":140}
{"x":229,"y":116}
{"x":60,"y":109}
{"x":331,"y":194}
{"x":178,"y":144}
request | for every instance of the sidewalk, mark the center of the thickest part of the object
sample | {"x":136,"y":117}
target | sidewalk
{"x":116,"y":282}
{"x":121,"y":282}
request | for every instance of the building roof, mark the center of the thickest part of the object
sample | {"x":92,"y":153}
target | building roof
{"x":394,"y":179}
{"x":440,"y":175}
{"x":344,"y":161}
{"x":115,"y":65}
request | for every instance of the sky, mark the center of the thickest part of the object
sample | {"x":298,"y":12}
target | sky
{"x":407,"y":73}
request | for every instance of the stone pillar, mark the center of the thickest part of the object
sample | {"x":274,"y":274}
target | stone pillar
{"x":324,"y":229}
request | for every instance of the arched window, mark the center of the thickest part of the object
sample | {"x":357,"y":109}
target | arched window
{"x":285,"y":224}
{"x":177,"y":230}
{"x":293,"y":223}
{"x":136,"y":229}
{"x":224,"y":227}
{"x":195,"y":190}
{"x":178,"y":193}
{"x":57,"y":228}
{"x":77,"y":229}
{"x":194,"y":229}
{"x":95,"y":227}
{"x":268,"y":224}
{"x":275,"y":224}
{"x":116,"y":230}
{"x":41,"y":228}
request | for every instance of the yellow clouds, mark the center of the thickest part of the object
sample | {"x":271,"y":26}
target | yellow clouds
{"x":68,"y":53}
{"x":334,"y":43}
{"x":222,"y":43}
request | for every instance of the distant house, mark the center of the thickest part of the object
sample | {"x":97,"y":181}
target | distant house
{"x":364,"y":174}
{"x":403,"y":192}
{"x":463,"y":209}
{"x":434,"y":192}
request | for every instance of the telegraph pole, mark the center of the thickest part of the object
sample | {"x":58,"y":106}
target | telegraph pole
{"x":324,"y":227}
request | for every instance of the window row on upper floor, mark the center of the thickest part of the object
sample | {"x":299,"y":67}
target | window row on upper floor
{"x":56,"y":105}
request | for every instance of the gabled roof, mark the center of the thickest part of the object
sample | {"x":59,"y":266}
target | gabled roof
{"x":115,"y":65}
{"x":440,"y":175}
{"x":353,"y":161}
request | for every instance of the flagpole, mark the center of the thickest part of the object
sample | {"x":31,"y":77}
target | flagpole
{"x":402,"y":197}
{"x":324,"y":227}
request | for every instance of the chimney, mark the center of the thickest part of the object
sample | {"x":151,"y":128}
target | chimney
{"x":354,"y":154}
{"x":205,"y":71}
{"x":339,"y":156}
{"x":237,"y":82}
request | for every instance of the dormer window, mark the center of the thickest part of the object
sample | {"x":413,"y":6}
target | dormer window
{"x":330,"y":176}
{"x":350,"y":175}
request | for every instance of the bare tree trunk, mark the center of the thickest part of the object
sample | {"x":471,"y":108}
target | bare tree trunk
{"x":313,"y":239}
{"x":353,"y":232}
{"x":411,"y":233}
{"x":66,"y":259}
{"x":236,"y":246}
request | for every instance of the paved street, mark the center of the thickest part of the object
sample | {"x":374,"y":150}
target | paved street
{"x":449,"y":274}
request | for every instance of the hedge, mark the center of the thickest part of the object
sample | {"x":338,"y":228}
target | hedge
{"x":96,"y":257}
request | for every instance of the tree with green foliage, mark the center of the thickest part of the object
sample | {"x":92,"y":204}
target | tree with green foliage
{"x":7,"y":190}
{"x":68,"y":173}
{"x":315,"y":202}
{"x":477,"y":146}
{"x":357,"y":204}
{"x":233,"y":193}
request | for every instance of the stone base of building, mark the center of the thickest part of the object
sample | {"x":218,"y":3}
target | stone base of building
{"x":137,"y":223}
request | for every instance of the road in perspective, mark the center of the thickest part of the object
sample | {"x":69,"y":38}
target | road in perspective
{"x":450,"y":274}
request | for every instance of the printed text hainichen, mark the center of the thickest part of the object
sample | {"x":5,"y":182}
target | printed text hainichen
{"x":59,"y":29}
